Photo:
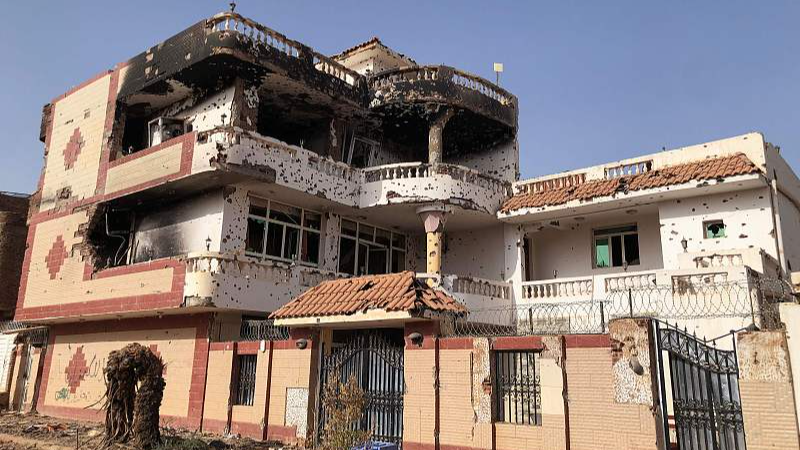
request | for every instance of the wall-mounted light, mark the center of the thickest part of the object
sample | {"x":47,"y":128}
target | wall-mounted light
{"x":302,"y":343}
{"x":208,"y":243}
{"x":416,"y":338}
{"x":684,"y":244}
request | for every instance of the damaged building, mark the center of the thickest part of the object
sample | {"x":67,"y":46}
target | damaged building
{"x":253,"y":210}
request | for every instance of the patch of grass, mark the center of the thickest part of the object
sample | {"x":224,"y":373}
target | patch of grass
{"x":178,"y":443}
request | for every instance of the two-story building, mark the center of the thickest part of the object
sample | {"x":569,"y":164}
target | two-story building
{"x":211,"y":179}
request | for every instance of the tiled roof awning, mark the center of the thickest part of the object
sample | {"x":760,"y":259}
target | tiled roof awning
{"x":397,"y":292}
{"x":708,"y":169}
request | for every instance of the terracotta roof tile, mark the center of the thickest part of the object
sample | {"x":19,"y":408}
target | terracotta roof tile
{"x":392,"y":292}
{"x":708,"y":169}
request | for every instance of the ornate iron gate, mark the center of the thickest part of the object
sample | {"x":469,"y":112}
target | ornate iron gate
{"x":375,"y":360}
{"x":704,"y":393}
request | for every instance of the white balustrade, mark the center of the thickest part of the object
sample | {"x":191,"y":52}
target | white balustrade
{"x":558,"y":288}
{"x":482,"y":287}
{"x":719,"y":260}
{"x":234,"y":23}
{"x":631,"y":281}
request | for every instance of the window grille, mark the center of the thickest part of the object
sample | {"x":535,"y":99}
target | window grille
{"x":246,"y":381}
{"x":517,"y":391}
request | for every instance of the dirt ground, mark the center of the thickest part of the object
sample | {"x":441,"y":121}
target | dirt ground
{"x":32,"y":431}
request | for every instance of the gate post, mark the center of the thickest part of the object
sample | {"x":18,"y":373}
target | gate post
{"x":765,"y":384}
{"x":421,"y":399}
{"x":635,"y":373}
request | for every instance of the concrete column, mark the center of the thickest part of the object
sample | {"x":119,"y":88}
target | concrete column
{"x":245,"y":105}
{"x":514,"y":269}
{"x":331,"y":236}
{"x":433,"y":217}
{"x":435,"y":141}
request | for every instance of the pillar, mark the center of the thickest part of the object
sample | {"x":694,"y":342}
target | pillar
{"x":435,"y":141}
{"x":433,"y":218}
{"x":245,"y":105}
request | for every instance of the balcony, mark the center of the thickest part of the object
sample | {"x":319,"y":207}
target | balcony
{"x":229,"y":45}
{"x":445,"y":85}
{"x":230,"y":281}
{"x":302,"y":170}
{"x":420,"y":182}
{"x":295,"y":168}
{"x":486,"y":114}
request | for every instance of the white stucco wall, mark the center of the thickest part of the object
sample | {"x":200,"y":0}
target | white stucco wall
{"x":474,"y":253}
{"x":569,"y":250}
{"x":500,"y":162}
{"x":204,"y":113}
{"x":747,"y":217}
{"x":790,"y":231}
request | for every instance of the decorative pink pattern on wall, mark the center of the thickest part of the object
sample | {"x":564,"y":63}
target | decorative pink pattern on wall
{"x":76,"y":370}
{"x":55,"y":257}
{"x":73,"y":148}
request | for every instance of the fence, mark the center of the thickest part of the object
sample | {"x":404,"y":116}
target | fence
{"x":755,"y":300}
{"x":262,"y":330}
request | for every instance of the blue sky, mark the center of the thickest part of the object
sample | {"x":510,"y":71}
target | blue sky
{"x":597,"y":81}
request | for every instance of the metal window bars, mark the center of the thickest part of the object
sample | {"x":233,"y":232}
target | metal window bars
{"x":517,"y":390}
{"x":245,"y":380}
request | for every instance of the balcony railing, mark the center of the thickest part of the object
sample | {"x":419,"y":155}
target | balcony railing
{"x":234,"y":23}
{"x":633,"y":281}
{"x":423,"y":170}
{"x":560,"y":288}
{"x":603,"y":286}
{"x":442,"y":74}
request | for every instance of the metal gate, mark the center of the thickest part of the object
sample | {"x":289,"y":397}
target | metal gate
{"x":704,"y":396}
{"x":375,"y":359}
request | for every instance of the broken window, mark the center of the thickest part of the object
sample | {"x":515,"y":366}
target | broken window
{"x":163,"y":129}
{"x":283,"y":232}
{"x":110,"y":237}
{"x":616,"y":247}
{"x":142,"y":132}
{"x":245,"y":388}
{"x":367,"y":250}
{"x":714,"y":229}
{"x":362,"y":152}
{"x":517,"y":391}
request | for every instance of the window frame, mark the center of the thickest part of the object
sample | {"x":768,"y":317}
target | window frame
{"x":244,"y":390}
{"x":707,"y":223}
{"x":612,"y":232}
{"x":513,"y":402}
{"x":357,"y":239}
{"x":302,"y":228}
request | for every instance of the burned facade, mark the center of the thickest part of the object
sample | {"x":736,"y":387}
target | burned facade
{"x":190,"y":193}
{"x":13,"y":231}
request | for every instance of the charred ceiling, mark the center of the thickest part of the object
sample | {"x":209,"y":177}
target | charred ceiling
{"x":292,"y":78}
